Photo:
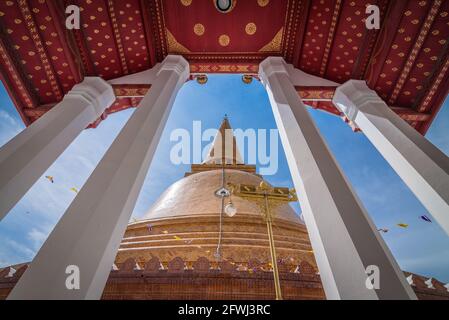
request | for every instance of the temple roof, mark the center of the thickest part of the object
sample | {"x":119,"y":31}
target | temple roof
{"x":406,"y":61}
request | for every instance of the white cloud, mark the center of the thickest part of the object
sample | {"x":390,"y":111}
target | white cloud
{"x":438,"y":132}
{"x":37,"y":237}
{"x":21,"y":249}
{"x":10,"y":120}
{"x":9,"y":127}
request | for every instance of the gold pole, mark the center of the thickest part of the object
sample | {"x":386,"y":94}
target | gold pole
{"x":274,"y":262}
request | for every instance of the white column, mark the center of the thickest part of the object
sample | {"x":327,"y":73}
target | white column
{"x":344,"y":240}
{"x":25,"y":158}
{"x":89,"y":233}
{"x":421,"y":165}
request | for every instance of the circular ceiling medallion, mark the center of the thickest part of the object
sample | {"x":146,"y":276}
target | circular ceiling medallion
{"x":186,"y":2}
{"x":247,"y":78}
{"x":224,"y":40}
{"x":224,"y":6}
{"x":201,"y":79}
{"x":198,"y":29}
{"x":262,"y":3}
{"x":250,"y":28}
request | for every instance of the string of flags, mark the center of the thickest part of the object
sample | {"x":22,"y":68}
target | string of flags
{"x":177,"y":238}
{"x":405,"y":225}
{"x":240,"y":266}
{"x":52,"y":180}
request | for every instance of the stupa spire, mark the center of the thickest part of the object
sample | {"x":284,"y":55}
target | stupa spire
{"x":224,"y":149}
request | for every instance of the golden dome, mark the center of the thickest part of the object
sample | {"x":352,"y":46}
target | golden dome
{"x":195,"y":195}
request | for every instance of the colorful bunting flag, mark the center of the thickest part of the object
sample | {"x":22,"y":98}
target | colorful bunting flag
{"x":74,"y":190}
{"x":426,"y":219}
{"x":50,"y":178}
{"x":403,"y":225}
{"x":383,"y":230}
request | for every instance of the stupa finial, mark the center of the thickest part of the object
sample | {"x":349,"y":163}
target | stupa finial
{"x":223,"y":151}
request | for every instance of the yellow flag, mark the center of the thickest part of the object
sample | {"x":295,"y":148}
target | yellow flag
{"x":74,"y":189}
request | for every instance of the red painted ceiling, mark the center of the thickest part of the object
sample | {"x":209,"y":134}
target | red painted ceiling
{"x":406,"y":61}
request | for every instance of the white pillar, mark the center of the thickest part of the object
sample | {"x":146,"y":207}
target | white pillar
{"x":421,"y":165}
{"x":25,"y":158}
{"x":89,"y":233}
{"x":344,"y":240}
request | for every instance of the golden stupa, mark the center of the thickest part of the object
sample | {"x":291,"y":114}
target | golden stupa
{"x":187,"y":247}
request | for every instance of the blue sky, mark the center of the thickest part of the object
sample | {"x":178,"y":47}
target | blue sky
{"x":422,"y":248}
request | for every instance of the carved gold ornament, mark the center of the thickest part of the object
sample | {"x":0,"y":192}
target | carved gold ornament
{"x":247,"y":79}
{"x":202,"y":79}
{"x":173,"y":45}
{"x":275,"y":44}
{"x":224,"y":40}
{"x":199,"y":29}
{"x":250,"y":28}
{"x":263,"y":3}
